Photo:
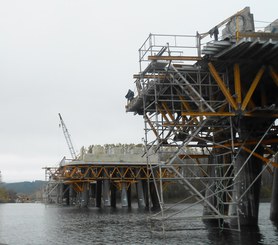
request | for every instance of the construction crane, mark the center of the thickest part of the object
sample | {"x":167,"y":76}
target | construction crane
{"x":67,"y":136}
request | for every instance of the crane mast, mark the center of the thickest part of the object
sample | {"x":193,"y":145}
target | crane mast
{"x":67,"y":136}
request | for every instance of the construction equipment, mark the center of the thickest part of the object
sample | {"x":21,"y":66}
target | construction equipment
{"x":67,"y":136}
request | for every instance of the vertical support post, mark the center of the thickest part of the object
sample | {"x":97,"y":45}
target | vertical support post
{"x":129,"y":196}
{"x":154,"y":197}
{"x":98,"y":193}
{"x":113,"y":190}
{"x":274,"y":197}
{"x":124,"y":195}
{"x":106,"y":193}
{"x":146,"y":193}
{"x":85,"y":195}
{"x":140,"y":194}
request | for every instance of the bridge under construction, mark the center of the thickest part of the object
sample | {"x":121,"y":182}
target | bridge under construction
{"x":209,"y":104}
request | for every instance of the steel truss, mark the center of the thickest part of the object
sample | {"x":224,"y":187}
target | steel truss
{"x":193,"y":106}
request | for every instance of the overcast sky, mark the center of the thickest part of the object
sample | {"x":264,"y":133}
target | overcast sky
{"x":77,"y":58}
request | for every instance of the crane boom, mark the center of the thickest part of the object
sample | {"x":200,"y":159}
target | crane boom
{"x":67,"y":136}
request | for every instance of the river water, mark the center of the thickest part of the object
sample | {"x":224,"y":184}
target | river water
{"x":40,"y":224}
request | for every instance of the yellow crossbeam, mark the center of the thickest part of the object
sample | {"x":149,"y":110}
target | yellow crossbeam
{"x":249,"y":142}
{"x":208,"y":114}
{"x":265,"y":160}
{"x":252,"y":88}
{"x":222,"y":86}
{"x":169,"y":58}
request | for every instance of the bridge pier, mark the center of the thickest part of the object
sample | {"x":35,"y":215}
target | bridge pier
{"x":113,"y":190}
{"x":274,"y":196}
{"x":72,"y":196}
{"x":106,"y":193}
{"x":124,"y":195}
{"x":84,"y":196}
{"x":154,"y":197}
{"x":245,"y":175}
{"x":66,"y":194}
{"x":146,"y":193}
{"x":140,"y":194}
{"x":98,"y":193}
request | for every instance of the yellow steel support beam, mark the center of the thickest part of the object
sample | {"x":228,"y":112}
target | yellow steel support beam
{"x":260,"y":114}
{"x":169,"y":58}
{"x":252,"y":88}
{"x":251,"y":105}
{"x":222,"y":86}
{"x":237,"y":84}
{"x":265,"y":160}
{"x":249,"y":142}
{"x":184,"y":103}
{"x":208,"y":114}
{"x":168,"y":111}
{"x":163,"y":115}
{"x":274,"y":75}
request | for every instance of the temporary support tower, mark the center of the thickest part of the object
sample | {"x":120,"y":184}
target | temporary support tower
{"x":209,"y":108}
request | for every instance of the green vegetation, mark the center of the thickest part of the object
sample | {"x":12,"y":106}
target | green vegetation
{"x":7,"y":195}
{"x":25,"y":187}
{"x":12,"y":192}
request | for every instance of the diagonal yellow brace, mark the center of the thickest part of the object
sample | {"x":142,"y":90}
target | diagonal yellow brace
{"x":252,"y":88}
{"x":222,"y":86}
{"x":184,"y":103}
{"x":274,"y":75}
{"x":168,"y":111}
{"x":264,"y":160}
{"x":237,"y":83}
{"x":163,"y":114}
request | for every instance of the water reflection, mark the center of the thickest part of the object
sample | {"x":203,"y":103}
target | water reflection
{"x":39,"y":224}
{"x":247,"y":236}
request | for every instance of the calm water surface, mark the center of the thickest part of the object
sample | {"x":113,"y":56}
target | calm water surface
{"x":40,"y":224}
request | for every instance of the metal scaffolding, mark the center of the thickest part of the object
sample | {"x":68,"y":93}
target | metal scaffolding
{"x":209,"y":110}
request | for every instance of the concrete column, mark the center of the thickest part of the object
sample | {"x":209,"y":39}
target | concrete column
{"x":66,"y":195}
{"x":98,"y":193}
{"x":274,"y":197}
{"x":140,"y":194}
{"x":113,"y":190}
{"x":146,"y":193}
{"x":249,"y":204}
{"x":154,"y":197}
{"x":93,"y":194}
{"x":85,"y":196}
{"x":106,"y":193}
{"x":129,"y":196}
{"x":72,"y":196}
{"x":124,"y":195}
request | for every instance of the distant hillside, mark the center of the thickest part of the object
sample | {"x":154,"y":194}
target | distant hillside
{"x":25,"y":187}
